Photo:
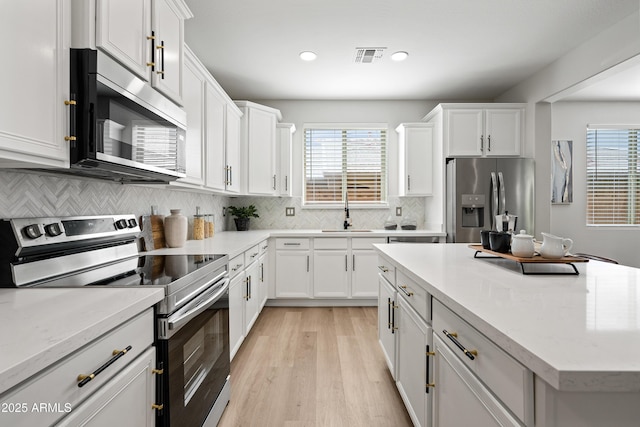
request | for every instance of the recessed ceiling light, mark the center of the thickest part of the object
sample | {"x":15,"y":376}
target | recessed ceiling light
{"x":308,"y":55}
{"x":399,"y":56}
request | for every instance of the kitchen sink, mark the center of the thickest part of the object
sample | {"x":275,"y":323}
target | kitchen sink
{"x":340,"y":230}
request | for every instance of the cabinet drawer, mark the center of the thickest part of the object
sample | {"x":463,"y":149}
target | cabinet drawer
{"x":263,"y":246}
{"x":292,"y":243}
{"x":366,"y":242}
{"x":251,"y":254}
{"x":236,"y":265}
{"x":505,"y":376}
{"x":387,"y":271}
{"x":415,"y":295}
{"x":58,"y":384}
{"x":330,"y":243}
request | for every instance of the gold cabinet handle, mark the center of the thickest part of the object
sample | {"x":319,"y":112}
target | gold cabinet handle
{"x":70,"y":102}
{"x":471,"y":354}
{"x":157,"y":406}
{"x":404,"y":290}
{"x":151,"y":64}
{"x":431,"y":353}
{"x":70,"y":138}
{"x":430,"y":385}
{"x":117,"y":354}
{"x":157,"y":371}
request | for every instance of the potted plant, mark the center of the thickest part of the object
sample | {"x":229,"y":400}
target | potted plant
{"x":242,"y":216}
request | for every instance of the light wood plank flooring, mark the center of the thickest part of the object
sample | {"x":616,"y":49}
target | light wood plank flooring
{"x":319,"y":366}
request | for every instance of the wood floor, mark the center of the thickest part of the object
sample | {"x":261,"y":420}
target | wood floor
{"x":319,"y":366}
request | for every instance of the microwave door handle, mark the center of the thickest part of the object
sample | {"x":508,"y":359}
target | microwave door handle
{"x":503,"y":192}
{"x":494,"y":199}
{"x":196,"y":307}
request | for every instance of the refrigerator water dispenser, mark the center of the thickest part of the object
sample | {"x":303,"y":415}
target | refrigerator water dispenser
{"x":472,"y":210}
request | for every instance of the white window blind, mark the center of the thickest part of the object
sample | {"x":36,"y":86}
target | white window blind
{"x":338,"y":160}
{"x":613,"y":176}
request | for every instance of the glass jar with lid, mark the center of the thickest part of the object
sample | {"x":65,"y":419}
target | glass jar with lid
{"x":198,"y":225}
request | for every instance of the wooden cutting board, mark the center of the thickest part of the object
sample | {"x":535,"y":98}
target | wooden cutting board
{"x":152,"y":232}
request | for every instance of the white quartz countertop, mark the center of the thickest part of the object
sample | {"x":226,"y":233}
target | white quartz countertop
{"x":42,"y":326}
{"x":577,"y":333}
{"x":235,"y":242}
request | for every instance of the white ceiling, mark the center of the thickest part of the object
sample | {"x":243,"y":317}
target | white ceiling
{"x":458,"y":49}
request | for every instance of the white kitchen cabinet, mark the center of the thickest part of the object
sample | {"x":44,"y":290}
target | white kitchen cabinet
{"x":364,"y":267}
{"x":146,"y":36}
{"x":415,"y":143}
{"x":293,"y":268}
{"x":252,"y":295}
{"x":387,"y":309}
{"x":233,"y":168}
{"x":480,"y":130}
{"x":330,"y":273}
{"x":459,"y":398}
{"x":194,"y":102}
{"x":129,"y":397}
{"x":263,"y":261}
{"x":34,"y":119}
{"x":258,"y":148}
{"x":414,"y":372}
{"x":284,"y":166}
{"x":215,"y":108}
{"x":237,"y":291}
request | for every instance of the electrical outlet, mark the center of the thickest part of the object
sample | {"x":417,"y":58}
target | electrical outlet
{"x":398,"y":210}
{"x":290,"y":211}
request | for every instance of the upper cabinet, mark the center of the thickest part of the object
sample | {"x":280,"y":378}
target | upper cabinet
{"x":415,"y":143}
{"x":284,"y":158}
{"x":480,"y":130}
{"x":33,"y":115}
{"x":258,"y":148}
{"x":213,"y":132}
{"x":146,"y":36}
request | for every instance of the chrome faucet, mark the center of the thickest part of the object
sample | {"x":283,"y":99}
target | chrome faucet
{"x":347,"y":220}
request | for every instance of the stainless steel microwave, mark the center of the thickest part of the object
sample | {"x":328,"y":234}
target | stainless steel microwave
{"x":123,"y":129}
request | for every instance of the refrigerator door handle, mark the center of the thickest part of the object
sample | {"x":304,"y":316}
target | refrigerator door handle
{"x":494,"y":198}
{"x":503,"y":192}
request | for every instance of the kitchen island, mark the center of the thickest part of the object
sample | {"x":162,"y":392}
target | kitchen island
{"x":579,"y":335}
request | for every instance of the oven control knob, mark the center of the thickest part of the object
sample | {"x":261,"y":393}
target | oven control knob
{"x":32,"y":231}
{"x":121,"y":224}
{"x":54,"y":229}
{"x":132,"y":223}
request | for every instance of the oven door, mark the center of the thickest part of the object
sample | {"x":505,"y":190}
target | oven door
{"x":196,"y":364}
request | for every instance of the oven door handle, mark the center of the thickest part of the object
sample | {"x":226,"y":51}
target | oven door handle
{"x":196,"y":307}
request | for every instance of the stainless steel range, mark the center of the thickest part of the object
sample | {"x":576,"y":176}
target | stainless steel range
{"x":192,"y":320}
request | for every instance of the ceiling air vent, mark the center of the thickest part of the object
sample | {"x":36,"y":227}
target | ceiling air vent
{"x":367,"y":55}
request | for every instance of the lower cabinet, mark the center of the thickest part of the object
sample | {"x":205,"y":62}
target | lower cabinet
{"x":293,"y":268}
{"x":387,"y":306}
{"x":460,"y":398}
{"x":236,"y":312}
{"x":251,"y":295}
{"x":330,"y":273}
{"x":364,"y":272}
{"x":128,"y":397}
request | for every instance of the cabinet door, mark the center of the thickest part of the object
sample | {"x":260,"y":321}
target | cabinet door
{"x":460,"y":398}
{"x":169,"y":32}
{"x":215,"y":139}
{"x":252,"y":300}
{"x":293,"y":274}
{"x":330,"y":273}
{"x":194,"y":103}
{"x":284,"y":159}
{"x":264,"y":280}
{"x":503,"y":132}
{"x":261,"y":152}
{"x":35,"y":75}
{"x":386,"y":322}
{"x":418,"y":158}
{"x":414,"y":339}
{"x":364,"y":273}
{"x":237,"y":294}
{"x":232,"y":154}
{"x":464,"y":132}
{"x":127,"y":397}
{"x":122,"y":28}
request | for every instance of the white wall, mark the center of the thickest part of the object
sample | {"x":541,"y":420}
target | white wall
{"x":300,"y":112}
{"x":570,"y":120}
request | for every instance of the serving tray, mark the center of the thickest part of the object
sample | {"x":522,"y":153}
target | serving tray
{"x":536,"y":259}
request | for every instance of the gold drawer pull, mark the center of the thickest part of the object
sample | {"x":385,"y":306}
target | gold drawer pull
{"x":72,"y":102}
{"x":471,"y":354}
{"x":117,"y":354}
{"x":156,"y":406}
{"x":70,"y":138}
{"x":404,"y":290}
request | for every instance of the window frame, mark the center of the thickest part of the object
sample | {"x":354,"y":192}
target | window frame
{"x":383,"y":204}
{"x":635,"y":184}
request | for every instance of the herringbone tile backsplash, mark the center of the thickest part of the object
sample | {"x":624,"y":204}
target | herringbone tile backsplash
{"x":33,"y":195}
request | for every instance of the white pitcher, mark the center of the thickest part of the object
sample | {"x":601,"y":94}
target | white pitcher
{"x":554,"y":246}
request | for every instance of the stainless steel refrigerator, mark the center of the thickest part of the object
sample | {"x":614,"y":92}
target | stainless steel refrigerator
{"x":479,"y":189}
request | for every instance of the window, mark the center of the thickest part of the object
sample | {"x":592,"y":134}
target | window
{"x":613,"y":176}
{"x":338,"y":159}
